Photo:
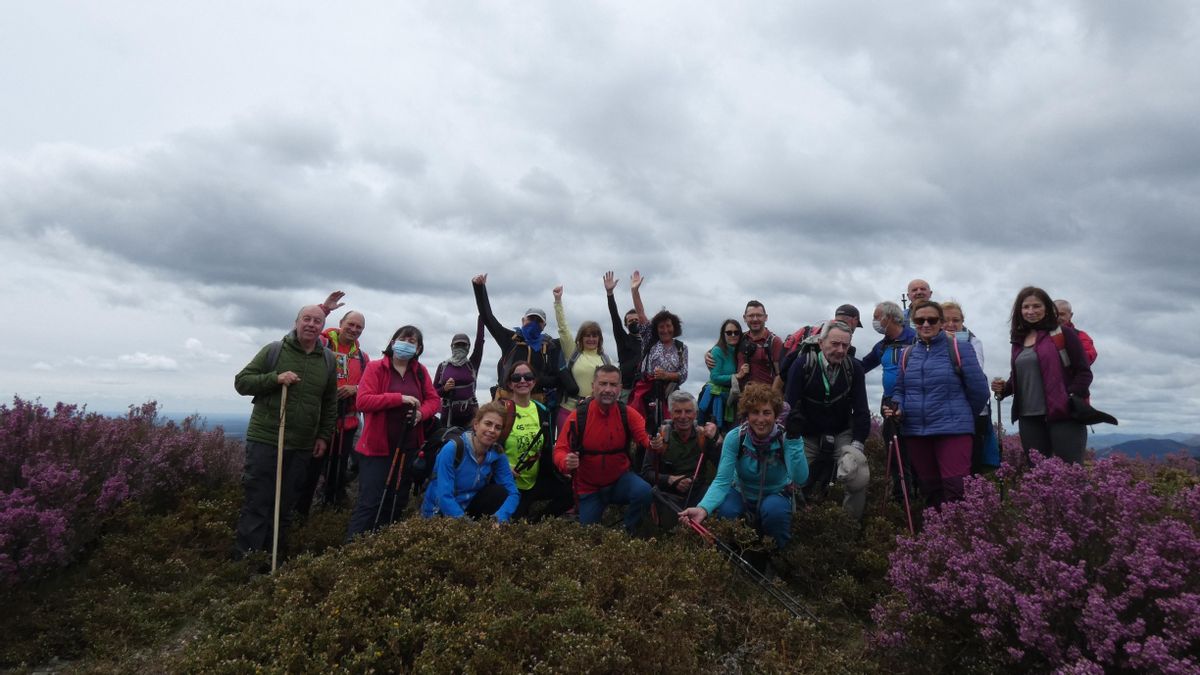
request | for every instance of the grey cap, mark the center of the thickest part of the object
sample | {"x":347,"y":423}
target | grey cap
{"x":535,"y":312}
{"x":460,"y":339}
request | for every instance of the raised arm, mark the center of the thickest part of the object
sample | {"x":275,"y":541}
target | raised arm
{"x":565,"y":339}
{"x":477,"y":353}
{"x":635,"y":285}
{"x":498,"y":330}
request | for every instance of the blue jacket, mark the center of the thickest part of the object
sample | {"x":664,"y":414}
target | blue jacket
{"x":933,"y":399}
{"x":886,"y":353}
{"x":451,"y":490}
{"x":743,"y":469}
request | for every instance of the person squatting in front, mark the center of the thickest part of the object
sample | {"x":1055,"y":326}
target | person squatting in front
{"x":471,"y":475}
{"x":682,"y":472}
{"x":759,"y":463}
{"x":594,"y":449}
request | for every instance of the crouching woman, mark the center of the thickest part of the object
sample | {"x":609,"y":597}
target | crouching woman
{"x":758,"y":463}
{"x":473,"y":478}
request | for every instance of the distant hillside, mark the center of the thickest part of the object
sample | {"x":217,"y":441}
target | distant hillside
{"x":1099,"y":441}
{"x":1149,"y":448}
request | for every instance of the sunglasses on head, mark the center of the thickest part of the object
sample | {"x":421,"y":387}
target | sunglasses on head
{"x":523,"y":377}
{"x":733,"y":333}
{"x":926,"y":321}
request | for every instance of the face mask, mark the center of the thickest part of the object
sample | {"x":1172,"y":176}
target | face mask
{"x":458,"y":353}
{"x":531,"y":331}
{"x":878,"y":326}
{"x":962,"y":336}
{"x":404,"y":350}
{"x":634,"y":328}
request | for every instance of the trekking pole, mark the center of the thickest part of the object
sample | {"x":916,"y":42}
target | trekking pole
{"x":278,"y":479}
{"x":790,"y":603}
{"x":396,"y":492}
{"x":687,"y":501}
{"x":397,"y":452}
{"x":333,"y":462}
{"x":903,"y":482}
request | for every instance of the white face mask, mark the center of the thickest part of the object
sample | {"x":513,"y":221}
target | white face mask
{"x":877,"y":325}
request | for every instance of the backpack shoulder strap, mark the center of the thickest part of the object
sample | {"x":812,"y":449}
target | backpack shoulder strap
{"x":331,"y":363}
{"x":273,"y":354}
{"x":955,"y":356}
{"x":510,"y":417}
{"x":460,"y":450}
{"x":581,"y":413}
{"x":624,"y":410}
{"x":904,"y":357}
{"x":1060,"y":343}
{"x":437,"y":374}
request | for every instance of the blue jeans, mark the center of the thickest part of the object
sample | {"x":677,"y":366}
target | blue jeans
{"x":629,"y":489}
{"x":775,"y":516}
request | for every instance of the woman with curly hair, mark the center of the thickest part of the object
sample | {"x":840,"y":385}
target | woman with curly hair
{"x":664,"y":364}
{"x":757,"y":463}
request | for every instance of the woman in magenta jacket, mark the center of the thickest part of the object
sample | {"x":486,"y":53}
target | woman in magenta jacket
{"x":395,"y":394}
{"x":1049,"y":369}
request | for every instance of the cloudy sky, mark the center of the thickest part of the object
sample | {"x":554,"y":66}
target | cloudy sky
{"x":176,"y":179}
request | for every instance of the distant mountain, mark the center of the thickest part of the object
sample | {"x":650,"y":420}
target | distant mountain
{"x":1099,"y":441}
{"x":1149,"y":448}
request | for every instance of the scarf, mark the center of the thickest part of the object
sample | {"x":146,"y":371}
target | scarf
{"x":458,"y":356}
{"x":532,"y":332}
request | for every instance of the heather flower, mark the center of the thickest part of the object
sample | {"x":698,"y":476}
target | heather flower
{"x":1081,"y":568}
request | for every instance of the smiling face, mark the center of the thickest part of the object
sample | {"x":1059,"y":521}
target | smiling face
{"x":762,"y":420}
{"x":683,"y":415}
{"x":918,"y":290}
{"x":309,"y":323}
{"x":928,"y":323}
{"x":521,"y":380}
{"x":488,"y":428}
{"x":732,"y":333}
{"x":351,"y":326}
{"x":591,"y":340}
{"x":755,"y":318}
{"x":665,"y":330}
{"x":1033,"y":309}
{"x":952,"y":320}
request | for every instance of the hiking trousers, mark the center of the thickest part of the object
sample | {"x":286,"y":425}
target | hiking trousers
{"x":941,"y":462}
{"x":373,"y":490}
{"x":257,"y":515}
{"x":774,"y":514}
{"x":1065,"y":439}
{"x":629,"y":489}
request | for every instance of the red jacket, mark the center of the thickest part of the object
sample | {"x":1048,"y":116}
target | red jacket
{"x":350,"y":371}
{"x":604,"y":458}
{"x":1089,"y":347}
{"x":375,"y":399}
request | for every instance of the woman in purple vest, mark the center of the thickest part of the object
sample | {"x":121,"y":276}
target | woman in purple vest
{"x":1049,"y":369}
{"x":455,"y":379}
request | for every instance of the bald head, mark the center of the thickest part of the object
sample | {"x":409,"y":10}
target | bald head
{"x":1064,"y":312}
{"x":309,"y":322}
{"x":918,"y":290}
{"x":351,"y":326}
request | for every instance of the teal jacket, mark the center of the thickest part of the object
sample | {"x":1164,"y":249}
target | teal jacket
{"x":786,"y":464}
{"x":311,"y":404}
{"x":725,"y":363}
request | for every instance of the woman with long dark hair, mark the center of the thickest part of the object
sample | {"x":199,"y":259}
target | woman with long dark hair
{"x":1048,"y":370}
{"x":713,"y":404}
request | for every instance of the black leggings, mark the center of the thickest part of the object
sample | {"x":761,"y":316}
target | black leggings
{"x":1065,"y":440}
{"x":487,"y":501}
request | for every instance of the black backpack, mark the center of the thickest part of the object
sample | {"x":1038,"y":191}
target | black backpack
{"x":422,"y":466}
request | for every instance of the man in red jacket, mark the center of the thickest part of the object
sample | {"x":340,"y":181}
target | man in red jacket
{"x":598,"y":458}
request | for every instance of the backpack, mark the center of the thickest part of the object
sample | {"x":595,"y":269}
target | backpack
{"x":548,"y":345}
{"x":566,"y":376}
{"x":422,"y":466}
{"x":276,"y":347}
{"x":438,"y":382}
{"x":803,"y":341}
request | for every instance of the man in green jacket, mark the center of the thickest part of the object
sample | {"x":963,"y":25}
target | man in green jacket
{"x":300,"y":364}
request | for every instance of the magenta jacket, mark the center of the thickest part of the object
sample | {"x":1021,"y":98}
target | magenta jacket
{"x":1059,"y":381}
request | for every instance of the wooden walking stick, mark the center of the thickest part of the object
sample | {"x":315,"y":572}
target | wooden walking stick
{"x":278,"y":480}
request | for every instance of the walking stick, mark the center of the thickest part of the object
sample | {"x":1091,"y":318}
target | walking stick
{"x":397,"y":456}
{"x":278,"y":479}
{"x":903,"y":482}
{"x":790,"y":603}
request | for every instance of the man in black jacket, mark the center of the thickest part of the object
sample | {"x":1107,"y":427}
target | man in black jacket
{"x":827,"y":393}
{"x":629,"y":344}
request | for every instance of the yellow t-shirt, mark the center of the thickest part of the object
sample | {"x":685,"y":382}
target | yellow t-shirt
{"x":517,"y":446}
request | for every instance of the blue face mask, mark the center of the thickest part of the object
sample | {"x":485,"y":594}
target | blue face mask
{"x":962,"y":336}
{"x":403,"y":350}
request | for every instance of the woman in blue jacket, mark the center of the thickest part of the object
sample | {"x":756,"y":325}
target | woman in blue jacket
{"x":714,"y":397}
{"x":757,"y":464}
{"x":471,"y":475}
{"x":939,"y":390}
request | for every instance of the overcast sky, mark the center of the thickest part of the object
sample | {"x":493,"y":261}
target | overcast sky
{"x":176,"y":179}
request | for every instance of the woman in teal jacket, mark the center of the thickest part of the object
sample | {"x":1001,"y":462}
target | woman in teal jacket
{"x":757,"y":463}
{"x":713,"y":403}
{"x":474,"y":478}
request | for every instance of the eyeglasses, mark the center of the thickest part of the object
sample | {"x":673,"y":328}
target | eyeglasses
{"x":523,"y":377}
{"x":926,"y":321}
{"x":733,"y":333}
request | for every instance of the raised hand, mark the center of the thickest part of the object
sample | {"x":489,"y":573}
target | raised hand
{"x":558,"y":294}
{"x":479,"y":279}
{"x":333,"y":301}
{"x":635,"y":281}
{"x":610,"y":281}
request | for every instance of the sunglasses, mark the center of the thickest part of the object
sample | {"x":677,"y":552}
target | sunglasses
{"x":733,"y":333}
{"x":523,"y":377}
{"x":926,"y":321}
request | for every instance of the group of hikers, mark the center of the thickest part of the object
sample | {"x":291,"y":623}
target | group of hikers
{"x":570,"y":430}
